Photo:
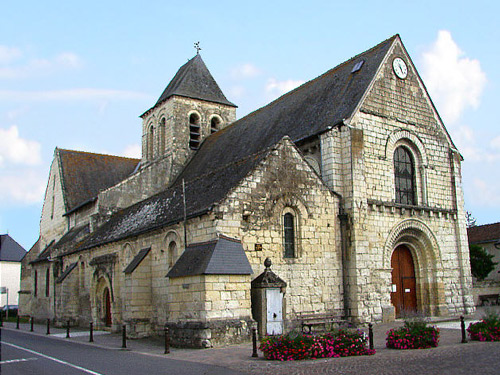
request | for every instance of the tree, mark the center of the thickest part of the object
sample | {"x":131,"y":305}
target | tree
{"x":481,"y":263}
{"x":470,"y":220}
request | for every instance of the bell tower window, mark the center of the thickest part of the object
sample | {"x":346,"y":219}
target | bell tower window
{"x":194,"y":131}
{"x":161,"y":135}
{"x":215,"y":123}
{"x":404,"y":176}
{"x":151,"y":139}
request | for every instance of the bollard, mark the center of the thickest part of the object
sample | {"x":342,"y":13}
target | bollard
{"x":67,"y":330}
{"x":17,"y":322}
{"x":167,"y":341}
{"x":124,"y":336}
{"x":462,"y":326}
{"x":91,"y":337}
{"x":48,"y":326}
{"x":254,"y":342}
{"x":370,"y":335}
{"x":31,"y":324}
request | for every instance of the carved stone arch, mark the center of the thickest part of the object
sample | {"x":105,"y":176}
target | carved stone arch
{"x":429,"y":272}
{"x":314,"y":163}
{"x":289,"y":200}
{"x":101,"y":283}
{"x":406,"y":137}
{"x":416,"y":232}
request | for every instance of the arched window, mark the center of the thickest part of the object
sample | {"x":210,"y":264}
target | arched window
{"x":215,"y":123}
{"x":289,"y":235}
{"x":161,"y":135}
{"x":47,"y":282}
{"x":404,"y":176}
{"x":194,"y":131}
{"x":172,"y":253}
{"x":151,"y":140}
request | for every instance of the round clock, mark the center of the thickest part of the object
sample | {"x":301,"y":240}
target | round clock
{"x":400,"y":68}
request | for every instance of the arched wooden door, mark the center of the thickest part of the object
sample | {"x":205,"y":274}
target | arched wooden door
{"x":107,"y":307}
{"x":403,"y":293}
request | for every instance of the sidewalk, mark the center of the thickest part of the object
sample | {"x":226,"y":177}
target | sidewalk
{"x":239,"y":356}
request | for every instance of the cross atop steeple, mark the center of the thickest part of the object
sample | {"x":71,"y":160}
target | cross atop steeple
{"x":197,"y":47}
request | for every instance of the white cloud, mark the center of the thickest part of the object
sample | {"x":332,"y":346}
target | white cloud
{"x":495,"y":143}
{"x":246,"y":70}
{"x":14,"y":149}
{"x":71,"y":95}
{"x":133,"y":151}
{"x":8,"y":54}
{"x":485,"y":194}
{"x":454,"y":81}
{"x":23,"y":186}
{"x":277,"y":88}
{"x":34,"y":66}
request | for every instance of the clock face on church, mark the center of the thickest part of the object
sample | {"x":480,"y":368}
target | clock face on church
{"x":399,"y":67}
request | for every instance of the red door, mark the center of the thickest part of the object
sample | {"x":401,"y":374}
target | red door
{"x":107,"y":304}
{"x":403,"y":293}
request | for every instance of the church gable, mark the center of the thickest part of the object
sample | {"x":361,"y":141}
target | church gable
{"x":397,"y":93}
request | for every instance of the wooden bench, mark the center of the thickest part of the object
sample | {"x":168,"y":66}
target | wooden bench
{"x":488,"y":299}
{"x":309,"y":319}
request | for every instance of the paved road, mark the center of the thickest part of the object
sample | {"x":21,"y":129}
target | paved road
{"x":23,"y":353}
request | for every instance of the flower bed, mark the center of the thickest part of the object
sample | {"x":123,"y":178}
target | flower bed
{"x":413,"y":335}
{"x":297,"y":346}
{"x":488,"y":329}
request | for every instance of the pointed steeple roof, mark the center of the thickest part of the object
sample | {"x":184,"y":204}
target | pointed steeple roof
{"x":194,"y":80}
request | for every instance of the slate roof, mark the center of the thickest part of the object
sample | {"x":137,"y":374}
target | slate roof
{"x":137,"y":260}
{"x":223,"y":256}
{"x":85,"y":174}
{"x":66,"y":272}
{"x":166,"y":208}
{"x":310,"y":109}
{"x":484,"y":233}
{"x":45,"y":254}
{"x":10,"y":250}
{"x":194,"y":80}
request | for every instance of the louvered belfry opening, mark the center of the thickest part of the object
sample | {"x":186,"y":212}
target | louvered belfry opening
{"x":194,"y":131}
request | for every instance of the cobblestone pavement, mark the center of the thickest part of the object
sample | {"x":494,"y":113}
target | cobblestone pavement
{"x":450,"y":357}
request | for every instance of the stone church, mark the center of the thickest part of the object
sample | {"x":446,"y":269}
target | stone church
{"x":350,"y":184}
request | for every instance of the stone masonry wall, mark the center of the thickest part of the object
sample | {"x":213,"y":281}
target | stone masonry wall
{"x":398,"y":112}
{"x":253,"y":213}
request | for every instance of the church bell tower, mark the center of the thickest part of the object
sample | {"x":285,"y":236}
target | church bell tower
{"x":191,"y":108}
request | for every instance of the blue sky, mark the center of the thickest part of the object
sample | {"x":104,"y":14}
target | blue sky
{"x":77,"y":75}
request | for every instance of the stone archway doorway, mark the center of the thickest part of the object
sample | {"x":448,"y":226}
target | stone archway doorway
{"x":107,"y":307}
{"x":404,"y":286}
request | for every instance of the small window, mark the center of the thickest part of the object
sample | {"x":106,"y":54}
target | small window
{"x":35,"y":284}
{"x":161,"y":143}
{"x":404,"y":176}
{"x":151,"y":140}
{"x":215,"y":124}
{"x":194,"y":131}
{"x":172,"y":253}
{"x":289,"y":235}
{"x":357,"y":66}
{"x":47,"y":282}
